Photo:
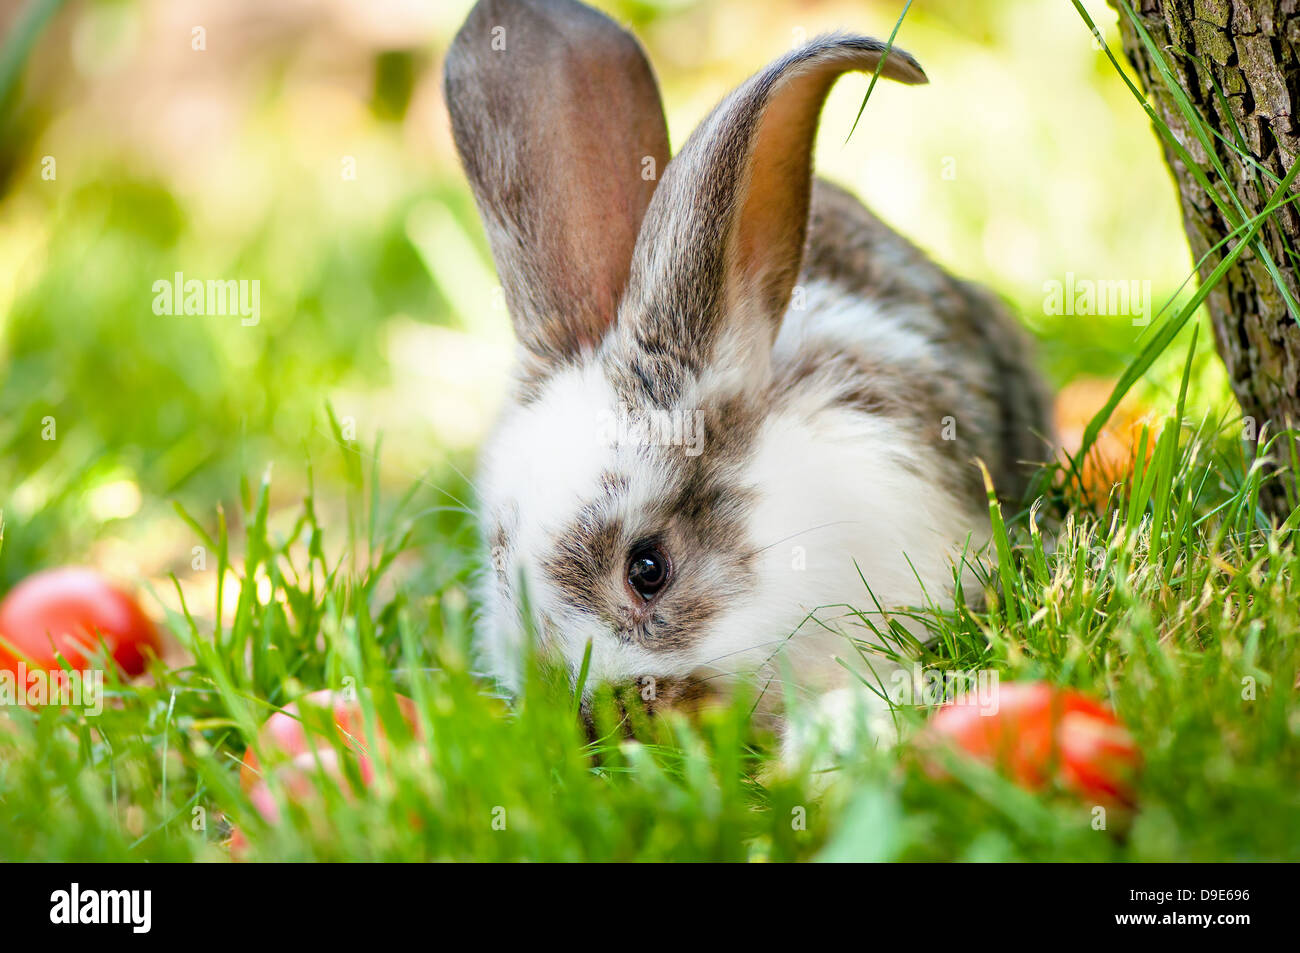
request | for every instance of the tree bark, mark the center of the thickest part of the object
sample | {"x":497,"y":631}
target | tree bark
{"x":1239,"y":62}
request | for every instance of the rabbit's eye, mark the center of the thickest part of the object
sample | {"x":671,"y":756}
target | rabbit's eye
{"x":648,"y":571}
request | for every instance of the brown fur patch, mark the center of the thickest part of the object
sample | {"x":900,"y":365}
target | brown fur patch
{"x":700,"y":520}
{"x":983,"y":377}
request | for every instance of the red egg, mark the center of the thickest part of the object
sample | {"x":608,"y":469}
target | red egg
{"x":70,"y":611}
{"x":299,"y":776}
{"x":1039,"y":734}
{"x":286,"y":731}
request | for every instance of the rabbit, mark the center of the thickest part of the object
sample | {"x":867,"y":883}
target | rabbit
{"x":740,"y":402}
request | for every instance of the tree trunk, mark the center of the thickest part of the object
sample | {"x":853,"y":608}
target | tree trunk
{"x":1246,"y":52}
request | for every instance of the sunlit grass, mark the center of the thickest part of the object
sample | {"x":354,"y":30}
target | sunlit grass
{"x":1173,"y":604}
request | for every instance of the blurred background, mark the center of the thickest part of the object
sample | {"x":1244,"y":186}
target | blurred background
{"x":304,"y":144}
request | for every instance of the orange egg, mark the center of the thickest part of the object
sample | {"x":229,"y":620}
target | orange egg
{"x":1038,"y":734}
{"x":1113,"y":454}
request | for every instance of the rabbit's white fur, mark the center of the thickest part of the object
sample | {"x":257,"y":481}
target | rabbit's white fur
{"x":836,"y":504}
{"x":844,"y":383}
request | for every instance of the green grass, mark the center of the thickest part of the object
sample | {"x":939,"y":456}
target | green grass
{"x":1177,"y":604}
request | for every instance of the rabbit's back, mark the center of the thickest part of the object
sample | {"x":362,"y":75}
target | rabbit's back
{"x":876,"y":325}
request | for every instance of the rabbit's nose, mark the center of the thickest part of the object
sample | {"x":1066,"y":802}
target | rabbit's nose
{"x":686,"y":694}
{"x":654,"y":695}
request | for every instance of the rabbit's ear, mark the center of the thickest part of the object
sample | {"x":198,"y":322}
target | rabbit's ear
{"x":559,"y":124}
{"x":724,"y":236}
